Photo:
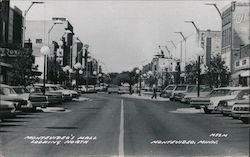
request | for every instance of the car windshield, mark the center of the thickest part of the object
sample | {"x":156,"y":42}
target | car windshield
{"x":60,"y":88}
{"x":170,"y":88}
{"x":206,"y":90}
{"x":21,"y":90}
{"x":234,"y":92}
{"x":219,"y":92}
{"x":192,"y":89}
{"x":6,"y":91}
{"x":50,"y":89}
{"x":180,"y":88}
{"x":244,"y":94}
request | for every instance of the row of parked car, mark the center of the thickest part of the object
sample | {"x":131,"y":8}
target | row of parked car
{"x":230,"y":101}
{"x":17,"y":98}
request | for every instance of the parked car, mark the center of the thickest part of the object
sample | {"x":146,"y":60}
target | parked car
{"x":233,"y":93}
{"x":204,"y":91}
{"x":113,"y":89}
{"x":53,"y":97}
{"x":123,"y":90}
{"x":241,"y":110}
{"x":203,"y":101}
{"x":225,"y":106}
{"x":35,"y":99}
{"x":72,"y":93}
{"x":167,"y":92}
{"x":179,"y":90}
{"x":7,"y":109}
{"x":7,"y":93}
{"x":66,"y":96}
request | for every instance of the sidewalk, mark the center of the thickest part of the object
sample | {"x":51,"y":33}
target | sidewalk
{"x":144,"y":97}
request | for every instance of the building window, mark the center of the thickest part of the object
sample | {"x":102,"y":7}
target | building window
{"x":237,"y":63}
{"x":39,"y":41}
{"x":244,"y":62}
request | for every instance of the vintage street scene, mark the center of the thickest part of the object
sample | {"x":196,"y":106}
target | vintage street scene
{"x":129,"y":78}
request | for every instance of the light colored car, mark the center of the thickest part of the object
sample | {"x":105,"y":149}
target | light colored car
{"x":72,"y":93}
{"x":167,"y":92}
{"x":35,"y":99}
{"x":7,"y":93}
{"x":177,"y":94}
{"x":225,"y":106}
{"x":123,"y":90}
{"x":53,"y":97}
{"x":113,"y":89}
{"x":7,"y":109}
{"x":66,"y":96}
{"x":241,"y":110}
{"x":233,"y":94}
{"x":203,"y":102}
{"x":204,"y":91}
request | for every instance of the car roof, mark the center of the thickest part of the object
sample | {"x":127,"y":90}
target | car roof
{"x":4,"y":85}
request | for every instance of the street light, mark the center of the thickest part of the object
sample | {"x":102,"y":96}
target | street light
{"x":199,"y":53}
{"x":218,"y":10}
{"x":55,"y":23}
{"x":138,"y":72}
{"x":24,"y":19}
{"x":185,"y":39}
{"x":197,"y":31}
{"x":77,"y":66}
{"x":45,"y":51}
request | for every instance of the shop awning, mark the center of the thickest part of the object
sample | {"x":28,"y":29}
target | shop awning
{"x":245,"y":73}
{"x":242,"y":73}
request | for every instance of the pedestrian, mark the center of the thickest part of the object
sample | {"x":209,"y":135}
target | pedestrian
{"x":154,"y":92}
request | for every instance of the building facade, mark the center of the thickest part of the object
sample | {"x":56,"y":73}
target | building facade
{"x":11,"y":20}
{"x":235,"y":36}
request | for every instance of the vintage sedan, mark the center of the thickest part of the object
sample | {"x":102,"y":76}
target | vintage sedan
{"x":53,"y":98}
{"x":167,"y":92}
{"x":204,"y":101}
{"x":66,"y":96}
{"x":72,"y":93}
{"x":225,"y":106}
{"x":35,"y":99}
{"x":7,"y":109}
{"x":180,"y":90}
{"x":233,"y":94}
{"x":204,"y":91}
{"x":241,"y":110}
{"x":7,"y":93}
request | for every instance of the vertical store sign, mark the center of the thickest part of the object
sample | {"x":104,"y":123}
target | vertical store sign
{"x":240,"y":22}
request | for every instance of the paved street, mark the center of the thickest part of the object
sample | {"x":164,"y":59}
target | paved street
{"x":113,"y":125}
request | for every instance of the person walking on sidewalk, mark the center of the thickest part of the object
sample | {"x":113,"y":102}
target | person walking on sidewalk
{"x":154,"y":92}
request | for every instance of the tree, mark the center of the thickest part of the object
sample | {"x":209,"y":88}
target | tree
{"x":191,"y":72}
{"x":23,"y":71}
{"x":217,"y":73}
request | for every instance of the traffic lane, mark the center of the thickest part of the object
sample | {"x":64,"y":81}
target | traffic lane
{"x":98,"y":117}
{"x":149,"y":121}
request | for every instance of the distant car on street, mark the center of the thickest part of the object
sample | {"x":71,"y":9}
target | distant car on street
{"x":179,"y":90}
{"x":113,"y":89}
{"x":167,"y":92}
{"x":72,"y":93}
{"x":123,"y":90}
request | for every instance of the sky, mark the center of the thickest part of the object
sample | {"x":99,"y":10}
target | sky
{"x":126,"y":34}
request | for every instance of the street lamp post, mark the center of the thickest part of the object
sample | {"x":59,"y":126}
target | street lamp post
{"x":55,"y":23}
{"x":45,"y":51}
{"x":185,"y":51}
{"x":199,"y":54}
{"x":138,"y":71}
{"x":24,"y":19}
{"x":218,"y":10}
{"x":86,"y":56}
{"x":77,"y":66}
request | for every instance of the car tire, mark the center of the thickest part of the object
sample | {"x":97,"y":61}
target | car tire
{"x":225,"y":114}
{"x":207,"y":111}
{"x":197,"y":107}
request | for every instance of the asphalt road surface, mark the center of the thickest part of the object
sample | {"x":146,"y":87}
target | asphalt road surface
{"x":112,"y":125}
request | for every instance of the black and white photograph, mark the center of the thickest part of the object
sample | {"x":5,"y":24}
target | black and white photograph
{"x":124,"y":78}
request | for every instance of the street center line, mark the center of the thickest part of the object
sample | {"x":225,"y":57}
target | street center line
{"x":121,"y":135}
